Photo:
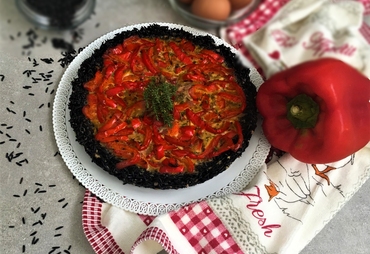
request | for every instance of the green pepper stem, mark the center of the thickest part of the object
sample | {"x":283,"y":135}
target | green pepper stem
{"x":302,"y":112}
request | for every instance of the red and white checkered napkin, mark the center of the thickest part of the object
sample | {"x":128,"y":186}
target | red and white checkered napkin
{"x":280,"y":211}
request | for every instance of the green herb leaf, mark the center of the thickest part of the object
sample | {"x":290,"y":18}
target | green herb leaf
{"x":158,"y":97}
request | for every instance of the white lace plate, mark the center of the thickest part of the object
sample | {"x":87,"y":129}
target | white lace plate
{"x":137,"y":199}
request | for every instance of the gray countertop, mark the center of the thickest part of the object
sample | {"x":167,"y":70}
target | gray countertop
{"x":41,"y":202}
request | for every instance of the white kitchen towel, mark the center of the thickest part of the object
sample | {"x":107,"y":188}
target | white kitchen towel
{"x":309,"y":29}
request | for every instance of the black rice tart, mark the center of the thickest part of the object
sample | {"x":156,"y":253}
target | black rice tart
{"x":138,"y":176}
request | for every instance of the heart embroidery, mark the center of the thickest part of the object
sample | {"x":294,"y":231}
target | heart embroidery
{"x":275,"y":55}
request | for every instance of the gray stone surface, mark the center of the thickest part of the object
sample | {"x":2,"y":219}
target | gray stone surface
{"x":41,"y":195}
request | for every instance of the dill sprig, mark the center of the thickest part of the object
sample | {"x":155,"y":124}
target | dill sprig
{"x":158,"y":97}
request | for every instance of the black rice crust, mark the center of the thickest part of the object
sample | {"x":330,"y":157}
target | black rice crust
{"x":139,"y":176}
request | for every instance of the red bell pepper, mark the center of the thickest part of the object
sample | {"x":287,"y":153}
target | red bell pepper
{"x":318,"y":111}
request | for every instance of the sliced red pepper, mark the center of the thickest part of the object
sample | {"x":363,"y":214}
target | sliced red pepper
{"x":179,"y":53}
{"x":136,"y":123}
{"x":114,"y":91}
{"x":209,"y":149}
{"x":176,"y":141}
{"x":110,"y":70}
{"x":187,"y":132}
{"x":170,"y":165}
{"x":198,"y":121}
{"x":172,"y":170}
{"x":159,"y":151}
{"x":179,"y":153}
{"x":94,"y":83}
{"x":146,"y":57}
{"x":117,"y":49}
{"x":147,"y":138}
{"x":130,"y":161}
{"x":115,"y":128}
{"x":111,"y":122}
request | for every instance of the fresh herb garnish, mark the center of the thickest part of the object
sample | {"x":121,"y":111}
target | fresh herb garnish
{"x":158,"y":97}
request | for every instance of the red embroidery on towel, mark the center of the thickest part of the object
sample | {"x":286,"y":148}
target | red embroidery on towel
{"x":284,"y":40}
{"x":255,"y":200}
{"x":321,"y":45}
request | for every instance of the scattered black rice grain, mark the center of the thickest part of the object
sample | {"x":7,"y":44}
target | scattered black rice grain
{"x":28,"y":120}
{"x":47,"y":60}
{"x":35,"y":63}
{"x":27,"y":87}
{"x":35,"y":80}
{"x":16,"y":196}
{"x":23,"y":248}
{"x":13,"y":140}
{"x":40,"y":127}
{"x":46,"y":89}
{"x":2,"y":77}
{"x":42,"y":191}
{"x":11,"y":226}
{"x":11,"y":111}
{"x":43,"y":216}
{"x":60,"y":227}
{"x":24,"y":113}
{"x":23,"y":220}
{"x":9,"y":127}
{"x":21,"y":180}
{"x":61,"y":200}
{"x":37,"y":222}
{"x":35,"y":210}
{"x":50,"y":83}
{"x":54,"y":249}
{"x":67,"y":251}
{"x":31,"y":94}
{"x":49,"y":104}
{"x":12,"y":102}
{"x":36,"y":191}
{"x":56,"y":153}
{"x":57,"y":235}
{"x":19,"y":144}
{"x":25,"y":193}
{"x":34,"y":240}
{"x":2,"y":142}
{"x":41,"y":105}
{"x":28,"y":131}
{"x":33,"y":233}
{"x":38,"y":184}
{"x":28,"y":72}
{"x":52,"y":91}
{"x":52,"y":185}
{"x":64,"y":205}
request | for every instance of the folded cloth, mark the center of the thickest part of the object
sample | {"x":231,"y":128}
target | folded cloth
{"x":280,"y":211}
{"x":285,"y":205}
{"x":304,"y":30}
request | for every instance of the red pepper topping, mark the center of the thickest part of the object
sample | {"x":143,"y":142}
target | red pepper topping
{"x":203,"y":117}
